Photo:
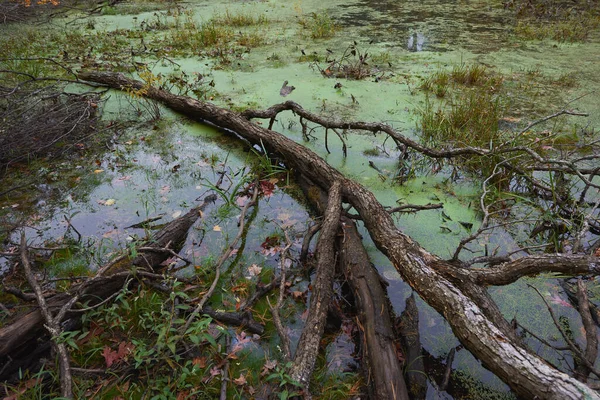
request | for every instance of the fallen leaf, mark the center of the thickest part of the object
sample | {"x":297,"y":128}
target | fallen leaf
{"x":269,"y":365}
{"x":97,"y":171}
{"x":176,"y":214}
{"x":110,"y":202}
{"x":254,"y":270}
{"x":217,"y":228}
{"x":297,"y":294}
{"x":240,"y":381}
{"x":199,"y":362}
{"x":241,"y":201}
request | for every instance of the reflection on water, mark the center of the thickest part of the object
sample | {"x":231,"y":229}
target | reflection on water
{"x":415,"y":42}
{"x":431,"y":25}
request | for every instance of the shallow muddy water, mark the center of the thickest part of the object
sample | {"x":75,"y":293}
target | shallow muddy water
{"x":163,"y":170}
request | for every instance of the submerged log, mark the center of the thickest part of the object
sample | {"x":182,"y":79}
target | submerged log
{"x":449,"y":288}
{"x":20,"y":338}
{"x":380,"y":358}
{"x":416,"y":378}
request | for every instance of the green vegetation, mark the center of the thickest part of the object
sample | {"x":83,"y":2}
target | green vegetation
{"x":240,"y":19}
{"x":319,"y":25}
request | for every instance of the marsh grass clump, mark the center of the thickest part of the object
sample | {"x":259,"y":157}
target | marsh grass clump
{"x":463,"y":74}
{"x":196,"y":39}
{"x":319,"y":25}
{"x":468,"y":118}
{"x":239,"y":20}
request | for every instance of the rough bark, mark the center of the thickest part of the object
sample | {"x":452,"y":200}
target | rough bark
{"x":20,"y":337}
{"x":322,"y":290}
{"x":488,"y":339}
{"x":383,"y":369}
{"x":416,"y":379}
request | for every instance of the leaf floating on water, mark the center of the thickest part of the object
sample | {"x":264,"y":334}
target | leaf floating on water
{"x":176,"y":214}
{"x":285,"y":89}
{"x":217,"y":228}
{"x":108,"y":202}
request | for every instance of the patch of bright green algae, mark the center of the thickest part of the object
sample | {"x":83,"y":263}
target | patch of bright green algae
{"x":405,"y":42}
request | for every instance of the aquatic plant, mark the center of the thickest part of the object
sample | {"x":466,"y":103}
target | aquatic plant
{"x":319,"y":25}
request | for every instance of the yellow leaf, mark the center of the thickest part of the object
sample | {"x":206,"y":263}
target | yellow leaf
{"x":97,"y":171}
{"x":110,"y":202}
{"x":217,"y":228}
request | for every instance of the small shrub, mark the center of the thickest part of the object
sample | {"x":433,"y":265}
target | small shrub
{"x":319,"y":25}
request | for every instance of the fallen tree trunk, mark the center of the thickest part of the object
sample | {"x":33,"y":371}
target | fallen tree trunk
{"x":384,"y":377}
{"x":322,"y":290}
{"x":449,"y":288}
{"x":381,"y":366}
{"x":20,"y":338}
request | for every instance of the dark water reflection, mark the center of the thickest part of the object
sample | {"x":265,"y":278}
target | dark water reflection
{"x":431,"y":25}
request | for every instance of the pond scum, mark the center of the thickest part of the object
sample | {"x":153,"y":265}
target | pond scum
{"x":139,"y":343}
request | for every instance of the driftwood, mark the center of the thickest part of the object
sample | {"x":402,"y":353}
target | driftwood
{"x":456,"y":292}
{"x":20,"y":338}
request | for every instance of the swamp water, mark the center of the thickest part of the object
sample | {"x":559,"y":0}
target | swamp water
{"x":163,"y":168}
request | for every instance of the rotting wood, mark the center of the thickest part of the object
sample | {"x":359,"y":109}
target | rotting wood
{"x":478,"y":326}
{"x":322,"y":290}
{"x":377,"y":342}
{"x":408,"y":329}
{"x":382,"y":367}
{"x":20,"y":338}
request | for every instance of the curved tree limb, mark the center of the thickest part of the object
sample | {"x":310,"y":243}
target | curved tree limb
{"x":526,"y":373}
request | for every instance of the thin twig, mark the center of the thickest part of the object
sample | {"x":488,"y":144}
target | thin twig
{"x":52,"y":324}
{"x":573,"y":346}
{"x":226,"y":254}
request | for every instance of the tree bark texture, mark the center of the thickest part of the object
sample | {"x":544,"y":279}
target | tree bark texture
{"x":384,"y":378}
{"x":19,"y":339}
{"x":479,"y":329}
{"x":322,"y":290}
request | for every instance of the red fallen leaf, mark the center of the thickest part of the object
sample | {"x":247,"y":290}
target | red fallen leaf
{"x":111,"y":356}
{"x":270,"y":241}
{"x":240,"y":381}
{"x":267,"y":188}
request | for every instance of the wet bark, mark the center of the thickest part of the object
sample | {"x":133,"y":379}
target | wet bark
{"x":475,"y":320}
{"x":416,"y":378}
{"x":20,"y":338}
{"x":322,"y":290}
{"x":380,"y":357}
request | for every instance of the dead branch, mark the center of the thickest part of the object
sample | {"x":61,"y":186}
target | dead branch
{"x":308,"y":346}
{"x":281,"y":331}
{"x":52,"y":323}
{"x":572,"y":345}
{"x":591,"y":332}
{"x":226,"y":254}
{"x":475,"y":319}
